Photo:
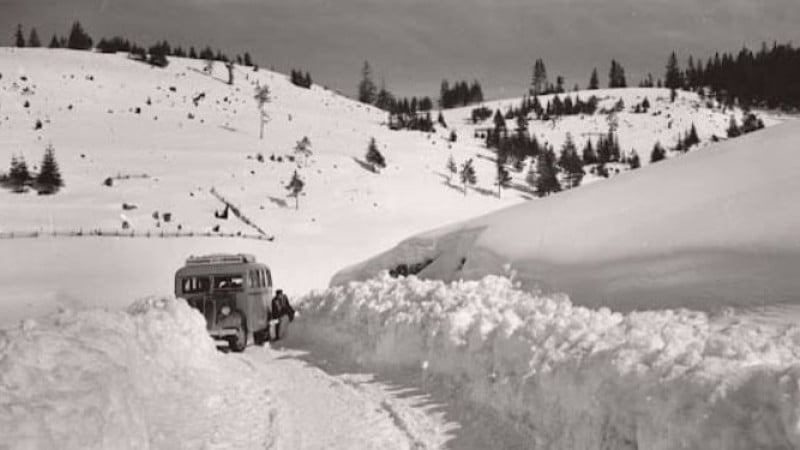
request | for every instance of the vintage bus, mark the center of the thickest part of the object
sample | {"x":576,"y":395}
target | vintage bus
{"x":233,"y":292}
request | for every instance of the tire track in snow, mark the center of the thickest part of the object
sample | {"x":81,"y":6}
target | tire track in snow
{"x":318,"y":410}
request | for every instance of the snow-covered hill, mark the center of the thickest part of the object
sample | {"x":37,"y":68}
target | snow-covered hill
{"x":109,"y":116}
{"x":167,"y":137}
{"x":715,"y":227}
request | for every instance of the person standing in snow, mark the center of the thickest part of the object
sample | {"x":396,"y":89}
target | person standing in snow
{"x":282,"y":313}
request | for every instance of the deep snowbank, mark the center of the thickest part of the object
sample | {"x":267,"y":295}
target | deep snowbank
{"x":149,"y":377}
{"x":716,"y":227}
{"x":573,"y":377}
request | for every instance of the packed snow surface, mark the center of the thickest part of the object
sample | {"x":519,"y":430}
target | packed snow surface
{"x":571,"y":377}
{"x":148,"y":377}
{"x":715,"y":227}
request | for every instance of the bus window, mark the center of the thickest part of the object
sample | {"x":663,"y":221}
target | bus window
{"x":228,"y":282}
{"x":268,"y":278}
{"x":252,"y":281}
{"x":260,"y":278}
{"x":195,"y":285}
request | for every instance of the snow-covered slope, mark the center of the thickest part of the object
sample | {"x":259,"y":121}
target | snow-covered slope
{"x":107,"y":115}
{"x":715,"y":227}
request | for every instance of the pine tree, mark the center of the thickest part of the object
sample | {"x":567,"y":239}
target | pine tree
{"x":673,"y":76}
{"x":54,"y":42}
{"x":692,"y":139}
{"x":571,"y":163}
{"x":658,"y":153}
{"x":733,"y":129}
{"x":303,"y":149}
{"x":374,"y":156}
{"x":547,"y":173}
{"x":19,"y":38}
{"x":262,"y":97}
{"x":539,"y":79}
{"x":49,"y":180}
{"x":452,"y":169}
{"x":366,"y":88}
{"x":295,"y":187}
{"x":33,"y":39}
{"x":616,"y":75}
{"x":503,"y":178}
{"x":468,"y":176}
{"x":594,"y":81}
{"x":634,"y":160}
{"x":78,"y":38}
{"x":589,"y":155}
{"x":18,"y":174}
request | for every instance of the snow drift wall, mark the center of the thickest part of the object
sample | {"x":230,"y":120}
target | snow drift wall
{"x":149,"y":377}
{"x":572,"y":377}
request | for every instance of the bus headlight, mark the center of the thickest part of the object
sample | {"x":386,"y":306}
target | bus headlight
{"x":225,"y":310}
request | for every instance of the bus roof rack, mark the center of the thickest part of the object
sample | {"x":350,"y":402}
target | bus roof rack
{"x":220,"y":258}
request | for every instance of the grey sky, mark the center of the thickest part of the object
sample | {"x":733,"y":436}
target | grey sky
{"x":416,"y":43}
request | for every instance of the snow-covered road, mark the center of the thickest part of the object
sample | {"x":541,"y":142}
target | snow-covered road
{"x":320,"y":410}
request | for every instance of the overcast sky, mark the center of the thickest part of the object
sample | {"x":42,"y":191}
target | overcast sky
{"x":413,"y":44}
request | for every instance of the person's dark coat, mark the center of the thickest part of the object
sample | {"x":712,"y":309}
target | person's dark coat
{"x":281,"y":307}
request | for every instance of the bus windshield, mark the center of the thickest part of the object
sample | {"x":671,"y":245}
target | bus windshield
{"x":195,"y":285}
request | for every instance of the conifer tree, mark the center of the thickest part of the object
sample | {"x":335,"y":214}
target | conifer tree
{"x":49,"y":180}
{"x":452,"y":169}
{"x":673,"y":76}
{"x":54,"y":42}
{"x":18,"y":175}
{"x":616,"y":75}
{"x":547,"y":173}
{"x":589,"y":155}
{"x":594,"y":81}
{"x":366,"y":88}
{"x":19,"y":38}
{"x":733,"y":129}
{"x":192,"y":53}
{"x":33,"y":39}
{"x":539,"y":79}
{"x":262,"y":97}
{"x":295,"y":187}
{"x":374,"y":156}
{"x":468,"y":176}
{"x":248,"y":61}
{"x":571,"y":163}
{"x":658,"y":153}
{"x":78,"y":38}
{"x":503,"y":178}
{"x":692,"y":139}
{"x":303,"y":149}
{"x":633,"y":161}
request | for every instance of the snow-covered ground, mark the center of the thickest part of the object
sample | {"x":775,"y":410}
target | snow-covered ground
{"x":147,"y":377}
{"x":714,"y":228}
{"x":571,"y":377}
{"x":88,"y":105}
{"x":470,"y":365}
